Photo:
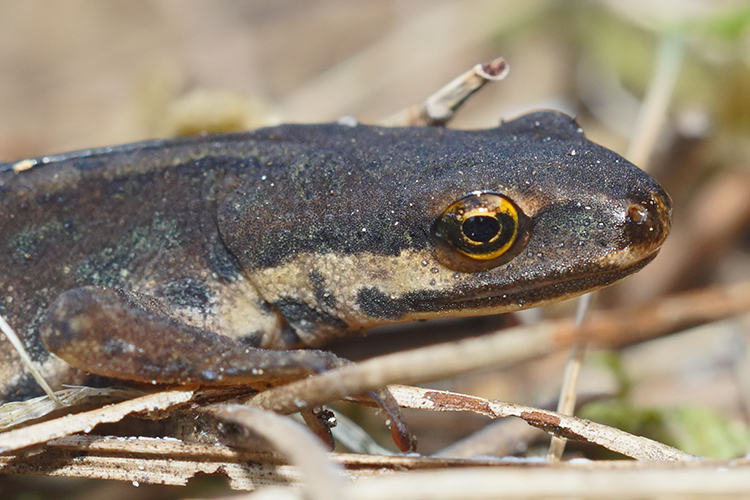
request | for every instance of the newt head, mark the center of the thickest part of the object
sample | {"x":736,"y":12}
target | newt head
{"x":424,"y":223}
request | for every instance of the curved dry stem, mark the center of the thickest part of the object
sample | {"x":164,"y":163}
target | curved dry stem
{"x":293,"y":440}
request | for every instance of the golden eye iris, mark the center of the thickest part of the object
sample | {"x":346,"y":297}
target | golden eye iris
{"x":480,"y":231}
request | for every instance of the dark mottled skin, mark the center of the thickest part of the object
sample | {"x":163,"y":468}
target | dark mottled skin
{"x":178,"y":225}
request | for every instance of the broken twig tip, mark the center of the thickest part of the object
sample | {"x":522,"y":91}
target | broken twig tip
{"x":442,"y":106}
{"x":494,"y":70}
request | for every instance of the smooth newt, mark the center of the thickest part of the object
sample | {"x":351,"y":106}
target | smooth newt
{"x":202,"y":259}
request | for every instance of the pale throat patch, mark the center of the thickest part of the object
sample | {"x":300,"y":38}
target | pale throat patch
{"x":341,"y":277}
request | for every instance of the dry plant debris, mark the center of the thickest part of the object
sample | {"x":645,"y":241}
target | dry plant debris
{"x":512,"y":346}
{"x":503,"y":348}
{"x":24,"y":437}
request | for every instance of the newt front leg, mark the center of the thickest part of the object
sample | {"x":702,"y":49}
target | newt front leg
{"x":131,"y":336}
{"x":127,"y":335}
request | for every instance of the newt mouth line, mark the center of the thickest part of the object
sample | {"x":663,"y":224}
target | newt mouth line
{"x":532,"y":294}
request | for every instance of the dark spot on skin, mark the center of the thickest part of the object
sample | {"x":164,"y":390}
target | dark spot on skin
{"x":377,"y":304}
{"x":322,"y":294}
{"x":304,"y":318}
{"x":115,"y":347}
{"x":187,"y":293}
{"x":252,"y":339}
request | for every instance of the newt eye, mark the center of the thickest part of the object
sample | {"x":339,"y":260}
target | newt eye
{"x":480,"y":231}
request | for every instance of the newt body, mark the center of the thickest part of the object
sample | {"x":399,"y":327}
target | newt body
{"x":200,"y":259}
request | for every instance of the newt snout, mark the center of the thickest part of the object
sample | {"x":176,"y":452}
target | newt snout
{"x":648,"y":220}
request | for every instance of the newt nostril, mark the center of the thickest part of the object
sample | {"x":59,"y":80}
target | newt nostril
{"x":637,"y":214}
{"x":648,"y":219}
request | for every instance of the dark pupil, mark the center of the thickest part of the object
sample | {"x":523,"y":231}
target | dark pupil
{"x":480,"y":228}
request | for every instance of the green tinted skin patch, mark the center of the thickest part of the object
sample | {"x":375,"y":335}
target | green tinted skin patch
{"x":211,"y":260}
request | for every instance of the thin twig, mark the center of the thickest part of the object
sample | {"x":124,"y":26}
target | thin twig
{"x":441,"y":106}
{"x":653,"y":112}
{"x":26,"y":359}
{"x":567,"y":401}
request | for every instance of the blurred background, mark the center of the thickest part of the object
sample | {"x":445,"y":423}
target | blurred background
{"x":87,"y":73}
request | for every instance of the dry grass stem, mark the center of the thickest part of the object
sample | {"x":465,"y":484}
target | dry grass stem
{"x":355,"y":438}
{"x":294,"y":441}
{"x":568,"y":394}
{"x":14,"y":413}
{"x":84,"y":422}
{"x":564,"y":481}
{"x":26,"y":359}
{"x":653,"y":112}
